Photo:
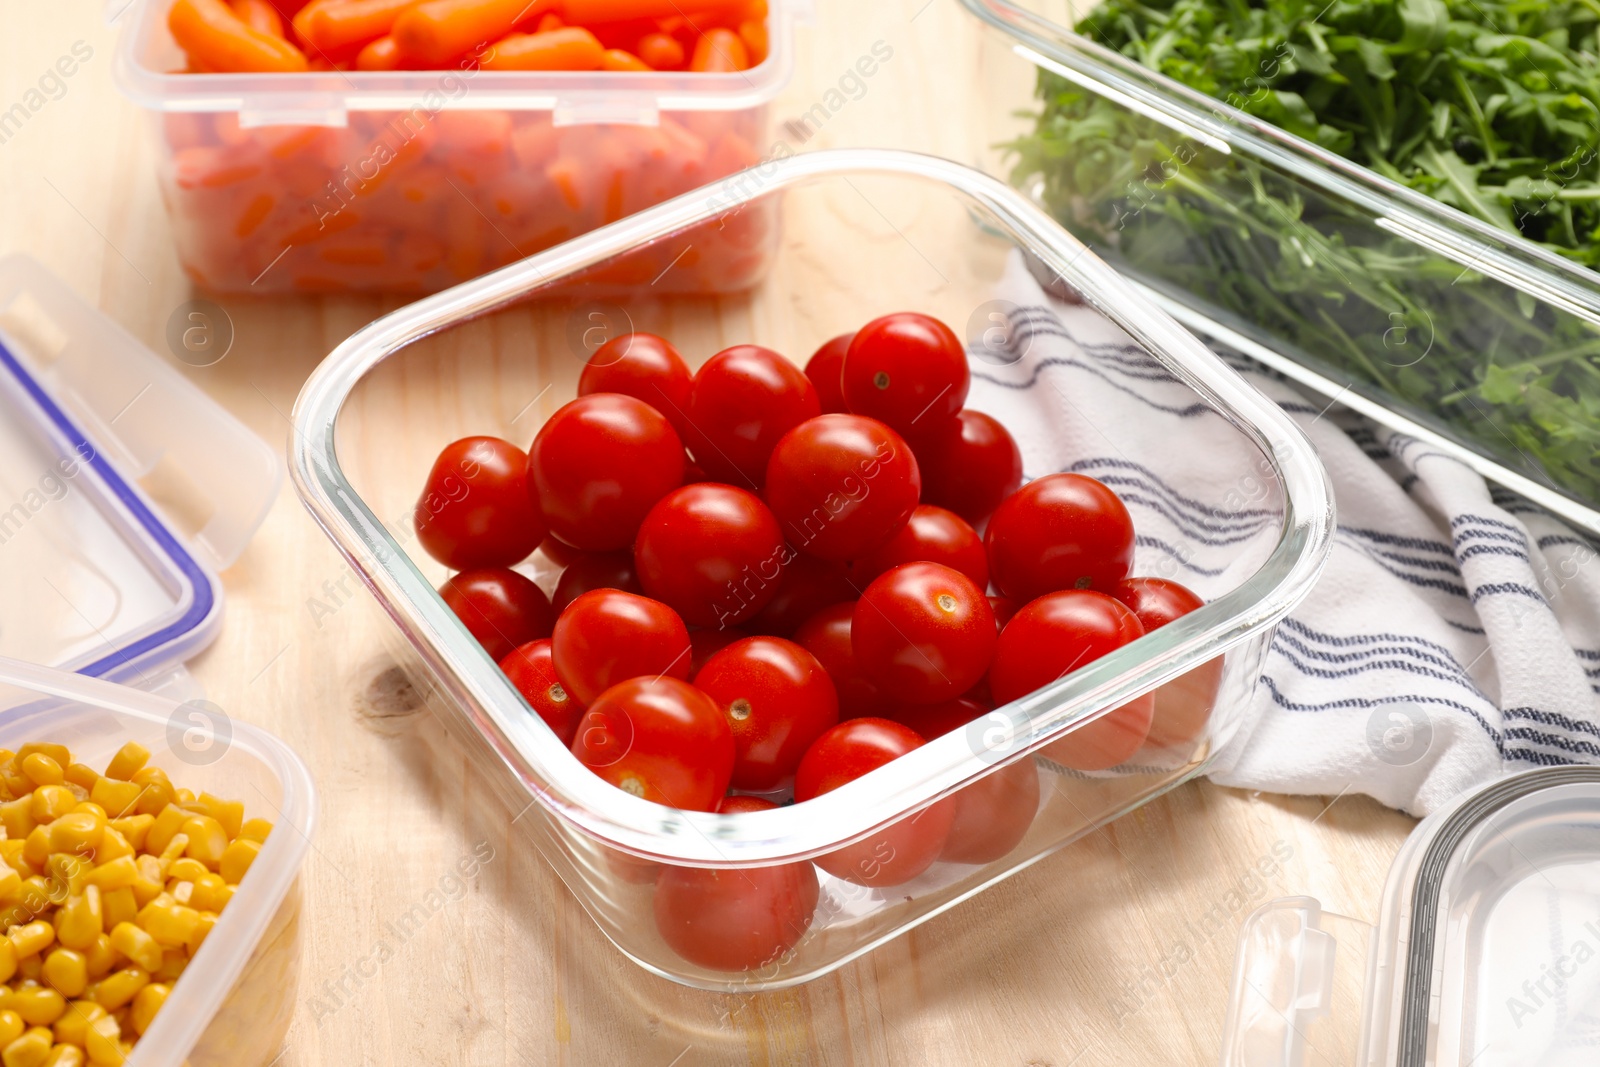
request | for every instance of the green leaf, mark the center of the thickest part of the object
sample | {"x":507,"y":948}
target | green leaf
{"x":1427,"y":23}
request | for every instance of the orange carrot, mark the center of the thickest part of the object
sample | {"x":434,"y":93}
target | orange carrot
{"x":754,"y":36}
{"x":381,"y":53}
{"x":260,"y":16}
{"x":571,"y":48}
{"x":216,"y":38}
{"x":617,"y":59}
{"x":436,"y":31}
{"x":549,"y":21}
{"x":718,"y":52}
{"x":661,"y":51}
{"x":337,"y":28}
{"x":583,"y":12}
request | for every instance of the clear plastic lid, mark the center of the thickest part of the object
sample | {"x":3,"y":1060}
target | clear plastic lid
{"x":1486,"y":951}
{"x":124,"y":489}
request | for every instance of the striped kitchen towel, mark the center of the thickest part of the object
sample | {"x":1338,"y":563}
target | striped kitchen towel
{"x":1455,"y":634}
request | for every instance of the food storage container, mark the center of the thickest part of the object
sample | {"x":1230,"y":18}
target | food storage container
{"x":410,"y":181}
{"x":1486,"y":950}
{"x":865,"y":233}
{"x":1419,"y":315}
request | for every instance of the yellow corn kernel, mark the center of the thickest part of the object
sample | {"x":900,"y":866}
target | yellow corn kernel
{"x":65,"y":1056}
{"x":81,"y":919}
{"x":210,"y":893}
{"x":51,"y":802}
{"x":187,"y":870}
{"x":230,"y":813}
{"x":137,"y":945}
{"x":129,"y":759}
{"x":60,"y":753}
{"x":10,"y":883}
{"x":82,"y":775}
{"x":237,"y":858}
{"x":116,"y":797}
{"x":117,"y":906}
{"x":67,"y":972}
{"x":148,"y":887}
{"x":78,"y":832}
{"x":29,"y":1050}
{"x":155,"y":790}
{"x":180,"y":891}
{"x":170,"y":923}
{"x":119,"y":873}
{"x":8,"y":961}
{"x":183,"y":796}
{"x":131,"y":830}
{"x":89,"y":807}
{"x":256,"y":830}
{"x":31,"y":938}
{"x":67,"y":875}
{"x":146,"y":1004}
{"x":100,"y":958}
{"x":207,"y":840}
{"x":102,"y":1041}
{"x":165,"y":828}
{"x":172,"y":967}
{"x":115,"y":990}
{"x":42,"y":770}
{"x":75,"y":1020}
{"x":38,"y":1005}
{"x":11,"y":1027}
{"x":202,"y":930}
{"x":17,"y":817}
{"x":112,"y":846}
{"x":36,"y":849}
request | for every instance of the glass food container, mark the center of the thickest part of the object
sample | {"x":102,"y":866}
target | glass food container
{"x":411,"y":181}
{"x":1423,"y":317}
{"x":865,"y":232}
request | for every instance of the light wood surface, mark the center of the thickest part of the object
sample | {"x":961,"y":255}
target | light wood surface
{"x":1094,"y":956}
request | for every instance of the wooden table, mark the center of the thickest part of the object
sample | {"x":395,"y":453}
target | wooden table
{"x":1086,"y":958}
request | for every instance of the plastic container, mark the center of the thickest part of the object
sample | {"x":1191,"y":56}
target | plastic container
{"x":1487,"y":950}
{"x":411,"y":181}
{"x":868,"y":232}
{"x":1330,"y":273}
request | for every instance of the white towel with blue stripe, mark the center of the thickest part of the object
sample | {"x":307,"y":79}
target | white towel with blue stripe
{"x":1455,"y":634}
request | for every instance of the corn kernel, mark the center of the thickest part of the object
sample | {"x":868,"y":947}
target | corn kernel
{"x":29,"y":1050}
{"x":237,"y":858}
{"x":230,"y":813}
{"x":66,"y":971}
{"x":115,"y":990}
{"x":165,"y":828}
{"x":146,"y":1004}
{"x":77,"y":832}
{"x":131,"y":830}
{"x":17,"y":817}
{"x":29,"y":970}
{"x":119,"y":873}
{"x":207,"y":840}
{"x":129,"y":759}
{"x":136,"y":944}
{"x":172,"y":967}
{"x":187,"y":870}
{"x":50,"y":802}
{"x":169,"y":923}
{"x":8,"y":961}
{"x":75,"y":1020}
{"x":38,"y":1005}
{"x":183,"y":796}
{"x":210,"y":893}
{"x":65,"y":1056}
{"x":89,"y":807}
{"x":100,"y":958}
{"x":81,"y":775}
{"x":42,"y":770}
{"x":256,"y":830}
{"x":11,"y":1027}
{"x":102,"y":1041}
{"x":117,"y":906}
{"x":155,"y":790}
{"x":10,"y":883}
{"x":60,"y":753}
{"x":148,"y":887}
{"x":31,"y":938}
{"x":180,"y":891}
{"x":81,"y":919}
{"x":116,"y":797}
{"x":67,"y":875}
{"x":36,"y":849}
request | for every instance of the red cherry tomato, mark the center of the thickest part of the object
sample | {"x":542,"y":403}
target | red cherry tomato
{"x":660,"y":739}
{"x":971,"y":467}
{"x":1004,"y":608}
{"x":599,"y":465}
{"x":736,"y":919}
{"x":559,"y":552}
{"x":595,"y":570}
{"x":1062,"y":531}
{"x":532,"y":670}
{"x":908,"y":370}
{"x":474,"y":510}
{"x":703,"y":644}
{"x":993,"y":814}
{"x":826,"y":635}
{"x":1054,"y":636}
{"x":711,"y":552}
{"x":645,"y":367}
{"x":498,"y":606}
{"x":842,"y":485}
{"x":1183,"y":705}
{"x":936,"y":720}
{"x":923,"y":632}
{"x":778,"y":700}
{"x":932,"y":535}
{"x":825,"y":368}
{"x":607,"y":636}
{"x":808,"y":585}
{"x":898,"y":853}
{"x":745,"y":398}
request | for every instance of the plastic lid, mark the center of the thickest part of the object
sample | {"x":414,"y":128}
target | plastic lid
{"x":123,"y":490}
{"x":1487,"y":951}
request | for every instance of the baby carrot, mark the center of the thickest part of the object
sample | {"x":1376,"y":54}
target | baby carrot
{"x":260,"y":16}
{"x":549,"y":21}
{"x":618,"y":59}
{"x":584,"y":12}
{"x":719,"y":51}
{"x":571,"y":48}
{"x":437,"y":31}
{"x":381,"y":53}
{"x":661,"y":51}
{"x":334,"y":28}
{"x":216,"y":38}
{"x":754,"y":36}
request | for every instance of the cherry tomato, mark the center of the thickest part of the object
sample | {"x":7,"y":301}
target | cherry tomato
{"x":736,"y":919}
{"x":660,"y":739}
{"x":498,"y":606}
{"x":936,"y":720}
{"x":703,"y":644}
{"x":559,"y":552}
{"x":923,"y":632}
{"x":599,"y":465}
{"x":1054,"y":636}
{"x":908,"y":370}
{"x":842,"y":485}
{"x":778,"y":700}
{"x":474,"y":510}
{"x":808,"y":585}
{"x":1062,"y":531}
{"x":826,"y":635}
{"x":595,"y":570}
{"x":532,"y":670}
{"x":825,"y":368}
{"x":606,"y":636}
{"x":970,"y":467}
{"x":1004,"y":608}
{"x":711,"y":552}
{"x":897,"y":853}
{"x":993,"y":814}
{"x":645,"y":367}
{"x":1183,"y":705}
{"x":932,"y":535}
{"x":745,"y":398}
